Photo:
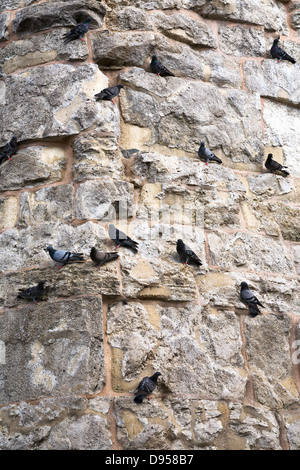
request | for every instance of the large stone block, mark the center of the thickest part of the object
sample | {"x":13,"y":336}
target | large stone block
{"x":33,"y":166}
{"x":75,"y":279}
{"x":54,"y":349}
{"x":241,"y":41}
{"x":278,"y":217}
{"x":269,"y":184}
{"x":56,"y":424}
{"x":281,"y":124}
{"x":267,"y":13}
{"x":182,"y":28}
{"x":249,"y":250}
{"x":40,"y":49}
{"x":196,"y":111}
{"x":96,"y":156}
{"x":50,"y":104}
{"x":270,"y":362}
{"x":273,"y":80}
{"x":46,"y":205}
{"x":104,"y":200}
{"x":26,"y":246}
{"x":52,"y":14}
{"x":253,"y":428}
{"x":155,"y":167}
{"x":121,"y":49}
{"x":187,"y":353}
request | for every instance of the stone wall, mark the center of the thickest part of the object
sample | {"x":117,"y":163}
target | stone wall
{"x":68,"y":366}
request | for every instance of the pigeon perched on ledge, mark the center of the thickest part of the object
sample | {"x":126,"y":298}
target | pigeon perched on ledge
{"x":274,"y":166}
{"x":121,"y":239}
{"x":9,"y":150}
{"x":249,"y":299}
{"x":107,"y":94}
{"x":186,"y":254}
{"x":158,"y":68}
{"x":206,"y":155}
{"x":64,"y":257}
{"x":32,"y":293}
{"x":145,"y":387}
{"x":100,"y":257}
{"x":78,"y":32}
{"x":280,"y":54}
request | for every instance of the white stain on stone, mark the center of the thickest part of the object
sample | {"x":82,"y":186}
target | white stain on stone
{"x":2,"y":352}
{"x":40,"y":376}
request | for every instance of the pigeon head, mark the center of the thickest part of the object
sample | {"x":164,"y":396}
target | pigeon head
{"x":14,"y":139}
{"x":120,"y":86}
{"x":244,"y":285}
{"x":270,"y":156}
{"x":202,"y":144}
{"x":41,"y":283}
{"x":155,"y":376}
{"x":88,"y":19}
{"x":154,"y":57}
{"x":50,"y":249}
{"x":93,"y":250}
{"x":180,"y":243}
{"x":276,"y":41}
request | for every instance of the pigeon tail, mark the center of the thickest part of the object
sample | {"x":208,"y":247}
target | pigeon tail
{"x":254,"y":311}
{"x":139,"y":399}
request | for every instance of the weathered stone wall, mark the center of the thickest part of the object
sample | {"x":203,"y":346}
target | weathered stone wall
{"x":68,"y":365}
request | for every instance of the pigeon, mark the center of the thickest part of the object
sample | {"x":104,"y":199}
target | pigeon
{"x":158,"y":68}
{"x":78,"y":32}
{"x":145,"y":387}
{"x":186,"y":254}
{"x":248,"y":298}
{"x":121,"y":239}
{"x":32,"y":293}
{"x":107,"y":94}
{"x":100,"y":257}
{"x":64,"y":257}
{"x":206,"y":155}
{"x":9,"y":150}
{"x":274,"y":166}
{"x":280,"y":54}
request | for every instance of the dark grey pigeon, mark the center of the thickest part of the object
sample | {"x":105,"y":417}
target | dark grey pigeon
{"x":64,"y":257}
{"x":275,"y":167}
{"x":9,"y":150}
{"x":280,"y":54}
{"x":248,"y":298}
{"x":186,"y":254}
{"x":78,"y":32}
{"x":121,"y":239}
{"x":158,"y":68}
{"x":100,"y":257}
{"x":32,"y":293}
{"x":145,"y":387}
{"x":207,"y":155}
{"x":107,"y":94}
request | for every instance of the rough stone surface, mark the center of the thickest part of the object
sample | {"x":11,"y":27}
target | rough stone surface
{"x":104,"y":199}
{"x":56,"y":424}
{"x":69,"y":364}
{"x":33,"y":166}
{"x":49,"y":14}
{"x":94,"y":155}
{"x":4,"y":21}
{"x":51,"y":104}
{"x":242,"y":41}
{"x":59,"y":348}
{"x":40,"y":49}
